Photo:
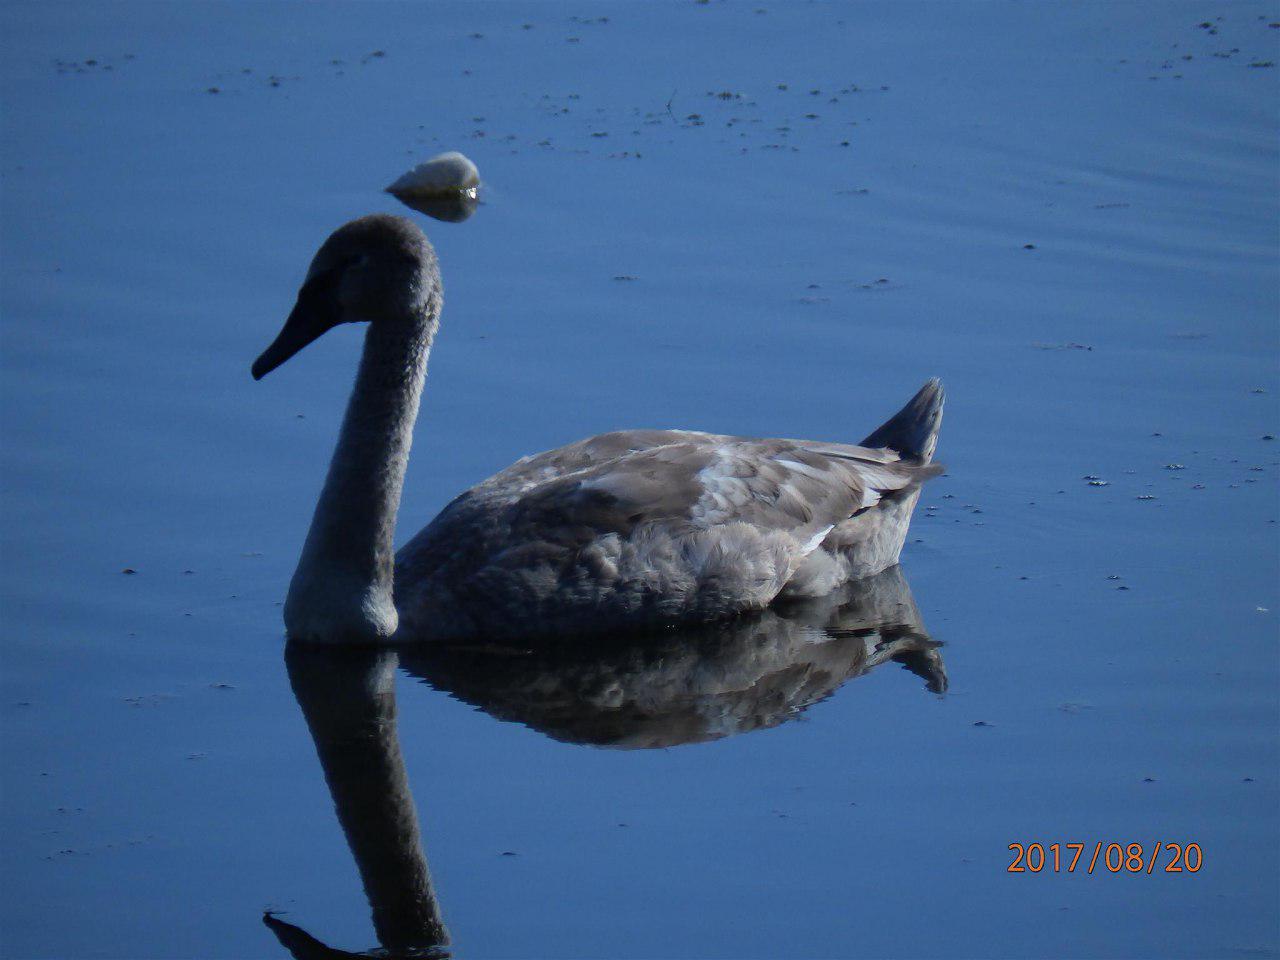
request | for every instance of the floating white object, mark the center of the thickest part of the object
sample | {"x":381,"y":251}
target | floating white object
{"x":448,"y":175}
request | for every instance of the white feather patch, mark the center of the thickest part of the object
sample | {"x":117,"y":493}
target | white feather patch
{"x":812,"y":543}
{"x":879,"y":479}
{"x":804,"y":469}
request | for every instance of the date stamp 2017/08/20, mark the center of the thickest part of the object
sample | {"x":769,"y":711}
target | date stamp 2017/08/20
{"x":1112,"y":857}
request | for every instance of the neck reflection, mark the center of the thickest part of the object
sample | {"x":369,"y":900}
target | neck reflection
{"x":347,"y":695}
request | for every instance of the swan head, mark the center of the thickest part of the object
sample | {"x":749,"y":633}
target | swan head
{"x":379,"y":269}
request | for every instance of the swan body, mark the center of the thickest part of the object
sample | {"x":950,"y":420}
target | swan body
{"x":626,"y":530}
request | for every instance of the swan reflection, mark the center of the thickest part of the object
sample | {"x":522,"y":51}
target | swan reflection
{"x":652,"y":691}
{"x":690,"y":686}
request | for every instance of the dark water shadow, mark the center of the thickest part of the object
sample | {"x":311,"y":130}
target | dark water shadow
{"x":676,"y":687}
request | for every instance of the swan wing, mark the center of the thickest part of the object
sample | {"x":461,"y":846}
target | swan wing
{"x":539,"y":468}
{"x":640,"y":525}
{"x":711,"y":478}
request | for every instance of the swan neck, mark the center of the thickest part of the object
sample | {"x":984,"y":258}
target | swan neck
{"x":342,"y":588}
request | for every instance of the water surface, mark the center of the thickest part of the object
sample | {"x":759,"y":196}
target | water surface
{"x":763,"y":219}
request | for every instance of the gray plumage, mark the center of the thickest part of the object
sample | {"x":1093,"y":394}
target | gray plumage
{"x":625,"y":530}
{"x":642,"y":527}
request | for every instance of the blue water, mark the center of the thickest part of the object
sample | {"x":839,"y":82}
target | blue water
{"x":161,"y":788}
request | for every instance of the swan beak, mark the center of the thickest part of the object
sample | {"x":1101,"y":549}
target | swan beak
{"x":315,"y":313}
{"x":297,"y":333}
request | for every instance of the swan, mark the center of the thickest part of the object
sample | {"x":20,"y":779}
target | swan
{"x":626,"y":530}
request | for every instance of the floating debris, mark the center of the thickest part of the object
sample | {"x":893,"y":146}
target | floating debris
{"x":444,"y":175}
{"x":1175,"y":466}
{"x":1071,"y":345}
{"x":446,"y":187}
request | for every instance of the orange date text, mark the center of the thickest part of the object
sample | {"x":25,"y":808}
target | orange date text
{"x":1101,"y":857}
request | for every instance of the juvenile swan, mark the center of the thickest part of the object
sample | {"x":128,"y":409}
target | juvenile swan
{"x":621,"y":531}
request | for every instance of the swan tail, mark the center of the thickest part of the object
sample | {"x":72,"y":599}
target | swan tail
{"x":913,"y":431}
